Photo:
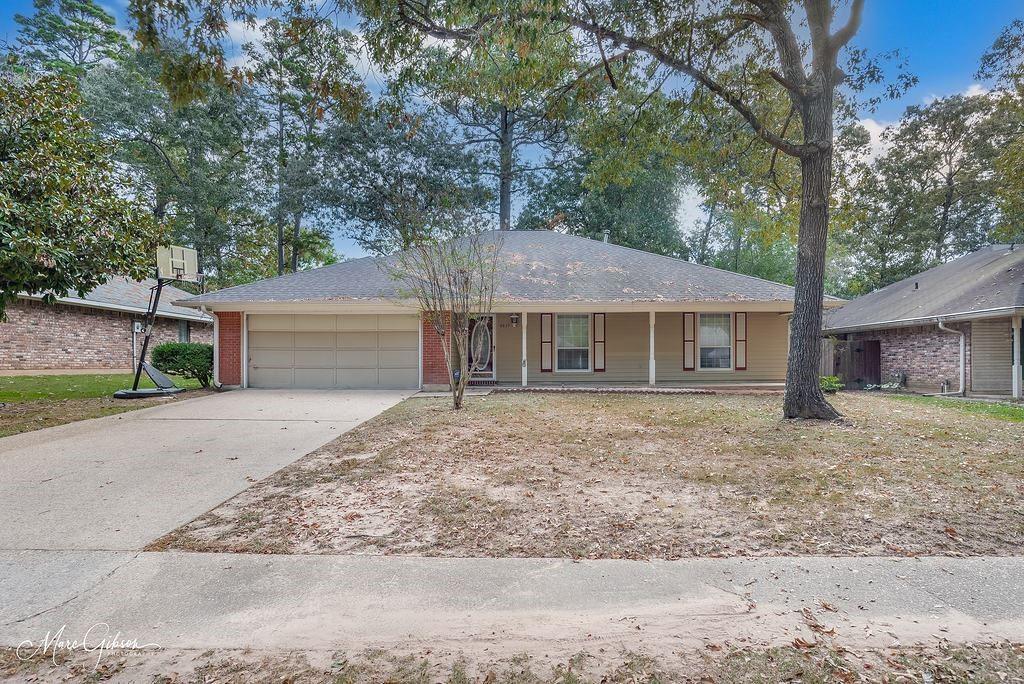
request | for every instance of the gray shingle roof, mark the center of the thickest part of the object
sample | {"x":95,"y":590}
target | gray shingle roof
{"x":991,"y":278}
{"x":120,"y":292}
{"x":537,"y":266}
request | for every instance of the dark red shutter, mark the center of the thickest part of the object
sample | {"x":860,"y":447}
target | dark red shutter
{"x":547,"y":324}
{"x":740,"y":335}
{"x":689,"y":341}
{"x":599,"y":332}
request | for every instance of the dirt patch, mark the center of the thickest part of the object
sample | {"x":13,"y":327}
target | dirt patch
{"x":639,"y":477}
{"x":725,"y":665}
{"x":25,"y":416}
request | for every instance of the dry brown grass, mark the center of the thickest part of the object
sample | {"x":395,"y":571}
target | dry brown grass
{"x":639,"y":477}
{"x":996,"y":663}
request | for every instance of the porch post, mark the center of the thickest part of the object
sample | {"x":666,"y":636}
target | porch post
{"x":1017,"y":390}
{"x":651,"y":377}
{"x":523,"y":319}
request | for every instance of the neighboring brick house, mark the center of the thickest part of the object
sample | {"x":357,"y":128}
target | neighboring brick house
{"x":567,"y":310}
{"x":956,"y":327}
{"x":94,"y":332}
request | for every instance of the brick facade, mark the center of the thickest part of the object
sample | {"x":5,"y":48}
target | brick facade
{"x":38,"y":336}
{"x":926,"y":354}
{"x":229,"y":347}
{"x":435,"y":366}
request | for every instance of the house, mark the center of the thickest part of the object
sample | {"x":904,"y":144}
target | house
{"x":954,"y":328}
{"x":97,"y":331}
{"x":568,"y":310}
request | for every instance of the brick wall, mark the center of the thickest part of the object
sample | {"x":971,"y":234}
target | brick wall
{"x":926,"y":354}
{"x":435,"y":366}
{"x":38,"y":336}
{"x":229,"y":347}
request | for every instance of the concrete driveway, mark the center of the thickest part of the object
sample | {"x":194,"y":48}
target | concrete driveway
{"x":119,"y":482}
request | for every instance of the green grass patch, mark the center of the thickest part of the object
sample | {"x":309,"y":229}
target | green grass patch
{"x":57,"y":387}
{"x":1000,"y":410}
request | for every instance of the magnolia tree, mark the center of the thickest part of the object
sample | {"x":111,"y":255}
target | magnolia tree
{"x":453,"y":280}
{"x":67,"y":221}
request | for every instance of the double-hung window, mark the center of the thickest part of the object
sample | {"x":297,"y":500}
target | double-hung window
{"x":572,"y":341}
{"x":715,"y":339}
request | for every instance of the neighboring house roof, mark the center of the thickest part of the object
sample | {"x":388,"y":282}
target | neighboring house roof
{"x":537,"y":266}
{"x":987,"y":282}
{"x":122,"y":294}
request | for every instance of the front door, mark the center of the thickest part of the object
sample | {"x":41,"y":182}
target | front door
{"x":481,"y":347}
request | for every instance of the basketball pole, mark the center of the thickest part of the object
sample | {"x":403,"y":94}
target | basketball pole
{"x":150,"y":320}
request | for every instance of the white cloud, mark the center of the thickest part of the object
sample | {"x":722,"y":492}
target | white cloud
{"x":690,"y":210}
{"x":877,"y":147}
{"x":975,"y":89}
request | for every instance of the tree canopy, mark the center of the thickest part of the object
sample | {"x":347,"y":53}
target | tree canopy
{"x":66,"y":221}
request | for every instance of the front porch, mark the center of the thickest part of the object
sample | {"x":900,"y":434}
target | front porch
{"x":634,"y":349}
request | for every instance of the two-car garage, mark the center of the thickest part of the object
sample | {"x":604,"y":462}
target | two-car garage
{"x":352,"y":351}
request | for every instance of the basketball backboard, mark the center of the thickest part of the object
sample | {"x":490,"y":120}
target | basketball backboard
{"x":178,"y":263}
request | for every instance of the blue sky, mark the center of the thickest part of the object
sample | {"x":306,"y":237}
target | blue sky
{"x":943,"y":40}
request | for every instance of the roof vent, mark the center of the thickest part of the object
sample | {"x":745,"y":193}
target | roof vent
{"x":916,"y":286}
{"x":606,"y":233}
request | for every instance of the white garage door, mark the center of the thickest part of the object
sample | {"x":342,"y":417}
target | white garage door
{"x":348,"y":351}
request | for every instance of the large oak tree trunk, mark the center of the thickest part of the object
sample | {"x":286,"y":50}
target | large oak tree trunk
{"x":804,"y":398}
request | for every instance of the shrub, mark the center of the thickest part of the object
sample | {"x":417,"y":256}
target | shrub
{"x":830,"y":384}
{"x":187,"y":359}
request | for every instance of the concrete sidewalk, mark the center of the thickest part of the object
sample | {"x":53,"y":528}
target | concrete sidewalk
{"x":197,"y":601}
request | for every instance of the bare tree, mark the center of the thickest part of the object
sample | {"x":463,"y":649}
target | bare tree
{"x":453,"y":281}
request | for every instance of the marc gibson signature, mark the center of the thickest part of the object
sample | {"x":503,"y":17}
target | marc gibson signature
{"x":97,"y":639}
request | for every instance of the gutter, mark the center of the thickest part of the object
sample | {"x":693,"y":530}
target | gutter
{"x":962,"y":392}
{"x":997,"y":312}
{"x":92,"y":304}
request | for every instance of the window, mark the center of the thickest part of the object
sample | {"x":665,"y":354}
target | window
{"x":715,"y":339}
{"x":572,"y":340}
{"x":183,"y":331}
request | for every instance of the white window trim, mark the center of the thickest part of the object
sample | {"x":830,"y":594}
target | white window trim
{"x":590,"y":344}
{"x":732,"y":343}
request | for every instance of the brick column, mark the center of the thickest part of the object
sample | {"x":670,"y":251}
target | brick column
{"x":435,"y":366}
{"x":229,"y":347}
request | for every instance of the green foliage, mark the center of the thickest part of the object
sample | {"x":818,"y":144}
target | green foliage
{"x":403,"y":180}
{"x":933,"y":195}
{"x":190,"y":161}
{"x":642,"y":214}
{"x":65,"y":222}
{"x":187,"y":359}
{"x":68,"y":36}
{"x":830,"y":384}
{"x":1004,"y":62}
{"x":303,"y":78}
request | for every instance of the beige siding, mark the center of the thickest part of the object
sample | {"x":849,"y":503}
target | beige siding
{"x":991,"y":360}
{"x":767,"y":347}
{"x":627,"y":351}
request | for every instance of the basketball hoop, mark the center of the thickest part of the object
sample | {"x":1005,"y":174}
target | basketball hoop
{"x":178,"y":263}
{"x":173,"y":263}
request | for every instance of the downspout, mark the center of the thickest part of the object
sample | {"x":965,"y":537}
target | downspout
{"x":216,"y":347}
{"x":963,"y":359}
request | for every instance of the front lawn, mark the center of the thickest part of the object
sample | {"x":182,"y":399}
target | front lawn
{"x":31,"y":402}
{"x":994,"y":409}
{"x":602,"y":476}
